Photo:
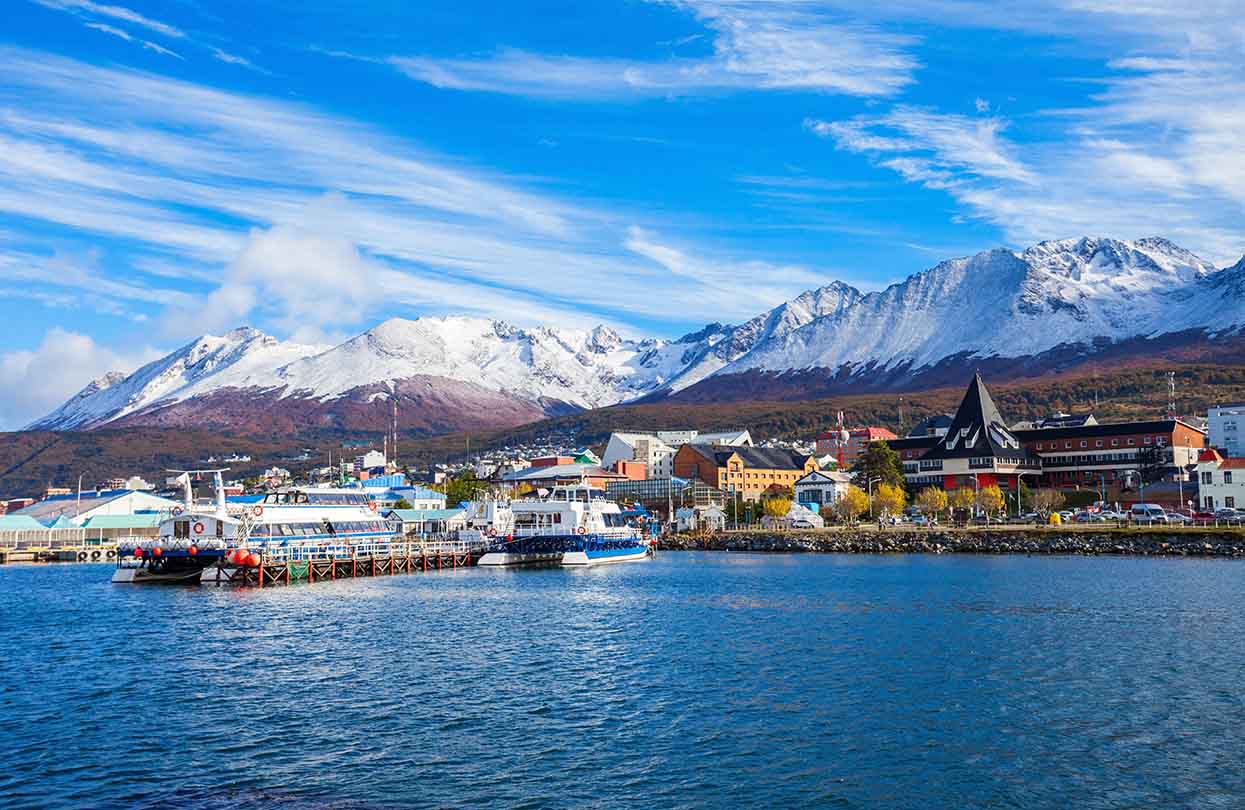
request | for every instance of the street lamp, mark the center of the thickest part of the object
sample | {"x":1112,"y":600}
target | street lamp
{"x":869,"y":483}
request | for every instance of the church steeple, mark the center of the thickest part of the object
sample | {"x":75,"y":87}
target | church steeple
{"x":978,"y":430}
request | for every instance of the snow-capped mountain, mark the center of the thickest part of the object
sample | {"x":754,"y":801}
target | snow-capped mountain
{"x":1015,"y":312}
{"x":244,"y":357}
{"x":1005,"y":304}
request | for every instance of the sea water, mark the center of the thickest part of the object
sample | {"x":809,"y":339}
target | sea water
{"x":691,"y":680}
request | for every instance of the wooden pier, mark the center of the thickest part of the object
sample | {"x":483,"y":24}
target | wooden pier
{"x":406,"y":558}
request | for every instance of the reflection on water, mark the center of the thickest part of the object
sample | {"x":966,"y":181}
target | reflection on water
{"x":693,"y":680}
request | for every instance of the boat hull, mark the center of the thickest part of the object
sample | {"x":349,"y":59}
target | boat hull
{"x":500,"y":559}
{"x":584,"y":558}
{"x":144,"y":576}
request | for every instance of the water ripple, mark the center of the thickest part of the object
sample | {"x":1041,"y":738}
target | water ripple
{"x":692,"y":681}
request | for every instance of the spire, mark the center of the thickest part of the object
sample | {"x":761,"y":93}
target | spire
{"x":978,"y":430}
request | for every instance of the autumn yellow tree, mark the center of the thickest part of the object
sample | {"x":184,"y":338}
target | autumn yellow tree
{"x":889,"y":499}
{"x":961,"y":499}
{"x":851,"y":504}
{"x":990,"y":500}
{"x":776,"y":507}
{"x":932,"y":500}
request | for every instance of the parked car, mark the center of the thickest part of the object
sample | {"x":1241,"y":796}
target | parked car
{"x":1178,"y":518}
{"x":1227,"y":515}
{"x":1145,"y":514}
{"x":921,"y":520}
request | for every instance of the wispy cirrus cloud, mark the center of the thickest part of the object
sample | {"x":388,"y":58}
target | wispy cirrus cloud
{"x":164,"y":170}
{"x":757,"y":44}
{"x":113,"y":12}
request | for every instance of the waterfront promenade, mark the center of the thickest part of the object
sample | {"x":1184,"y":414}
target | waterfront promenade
{"x":869,"y":539}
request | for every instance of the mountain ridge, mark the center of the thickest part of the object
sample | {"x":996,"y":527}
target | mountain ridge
{"x":1075,"y":297}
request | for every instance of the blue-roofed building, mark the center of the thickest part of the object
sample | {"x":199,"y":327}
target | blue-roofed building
{"x":91,"y":503}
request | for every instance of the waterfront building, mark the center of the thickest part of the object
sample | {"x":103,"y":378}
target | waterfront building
{"x":978,"y":449}
{"x":645,"y":448}
{"x":542,"y":475}
{"x":1225,"y":427}
{"x":1073,"y":453}
{"x":744,"y":472}
{"x":678,"y":438}
{"x":659,"y":492}
{"x":91,"y":503}
{"x":821,"y":488}
{"x":857,"y":440}
{"x":1221,"y":481}
{"x":692,"y":518}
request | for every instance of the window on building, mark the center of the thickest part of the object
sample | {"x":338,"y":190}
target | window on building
{"x":1084,"y":443}
{"x":1229,"y":502}
{"x":1067,"y":445}
{"x":1206,"y":478}
{"x":1208,"y":502}
{"x":1039,"y":445}
{"x":1098,"y":443}
{"x":1227,"y":477}
{"x":1149,"y":440}
{"x":1115,"y":442}
{"x":1132,"y":442}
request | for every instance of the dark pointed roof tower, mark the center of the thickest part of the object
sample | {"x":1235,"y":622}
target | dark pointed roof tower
{"x":978,"y":431}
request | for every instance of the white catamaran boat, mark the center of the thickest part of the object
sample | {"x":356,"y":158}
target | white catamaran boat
{"x":575,"y":525}
{"x":204,"y":544}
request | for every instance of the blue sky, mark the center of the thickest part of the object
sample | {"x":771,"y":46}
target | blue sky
{"x":173,"y":168}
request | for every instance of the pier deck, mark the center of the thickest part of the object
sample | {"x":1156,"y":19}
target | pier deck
{"x":402,"y":558}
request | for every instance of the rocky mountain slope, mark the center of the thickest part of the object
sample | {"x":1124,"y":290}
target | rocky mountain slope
{"x":1014,"y":313}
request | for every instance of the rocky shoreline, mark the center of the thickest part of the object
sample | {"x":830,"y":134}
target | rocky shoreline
{"x":1146,"y":543}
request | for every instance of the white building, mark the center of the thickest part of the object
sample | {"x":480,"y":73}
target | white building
{"x":821,"y":487}
{"x":1221,"y":481}
{"x":369,"y":460}
{"x":797,"y":517}
{"x":646,"y":448}
{"x":1225,"y":426}
{"x":79,"y":509}
{"x":656,"y":450}
{"x":691,"y":518}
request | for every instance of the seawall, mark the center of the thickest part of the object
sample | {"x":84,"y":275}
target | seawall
{"x":1141,"y":542}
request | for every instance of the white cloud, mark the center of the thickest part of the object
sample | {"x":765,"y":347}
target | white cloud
{"x":758,"y":44}
{"x":197,"y":182}
{"x":1160,"y":151}
{"x":108,"y":29}
{"x":34,"y":382}
{"x":160,"y":49}
{"x":87,"y":7}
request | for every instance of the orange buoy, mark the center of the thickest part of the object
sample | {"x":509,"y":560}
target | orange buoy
{"x":157,"y":551}
{"x":252,"y":560}
{"x":192,"y":551}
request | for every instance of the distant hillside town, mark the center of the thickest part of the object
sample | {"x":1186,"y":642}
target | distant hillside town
{"x":974,"y":459}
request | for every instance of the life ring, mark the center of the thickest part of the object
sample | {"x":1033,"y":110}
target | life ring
{"x":199,"y":527}
{"x":177,"y":510}
{"x":371,"y":505}
{"x":257,"y":510}
{"x":581,"y":530}
{"x":81,"y":556}
{"x":490,"y":531}
{"x":95,"y":555}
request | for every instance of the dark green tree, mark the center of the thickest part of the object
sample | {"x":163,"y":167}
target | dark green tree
{"x":878,"y":461}
{"x":402,"y":503}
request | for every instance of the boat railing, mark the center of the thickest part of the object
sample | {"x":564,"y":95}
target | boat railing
{"x":317,"y":552}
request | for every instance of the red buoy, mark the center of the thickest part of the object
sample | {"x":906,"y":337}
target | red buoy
{"x":192,"y":551}
{"x":252,"y":560}
{"x":138,"y":552}
{"x":157,"y":551}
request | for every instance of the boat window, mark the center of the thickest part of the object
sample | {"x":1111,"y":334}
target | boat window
{"x":329,"y":528}
{"x":286,"y":529}
{"x":181,"y":528}
{"x":220,"y":528}
{"x":260,"y":530}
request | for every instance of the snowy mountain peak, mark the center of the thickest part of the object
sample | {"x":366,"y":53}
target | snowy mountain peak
{"x":997,"y":303}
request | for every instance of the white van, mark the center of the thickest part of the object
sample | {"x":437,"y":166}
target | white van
{"x":1146,"y":513}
